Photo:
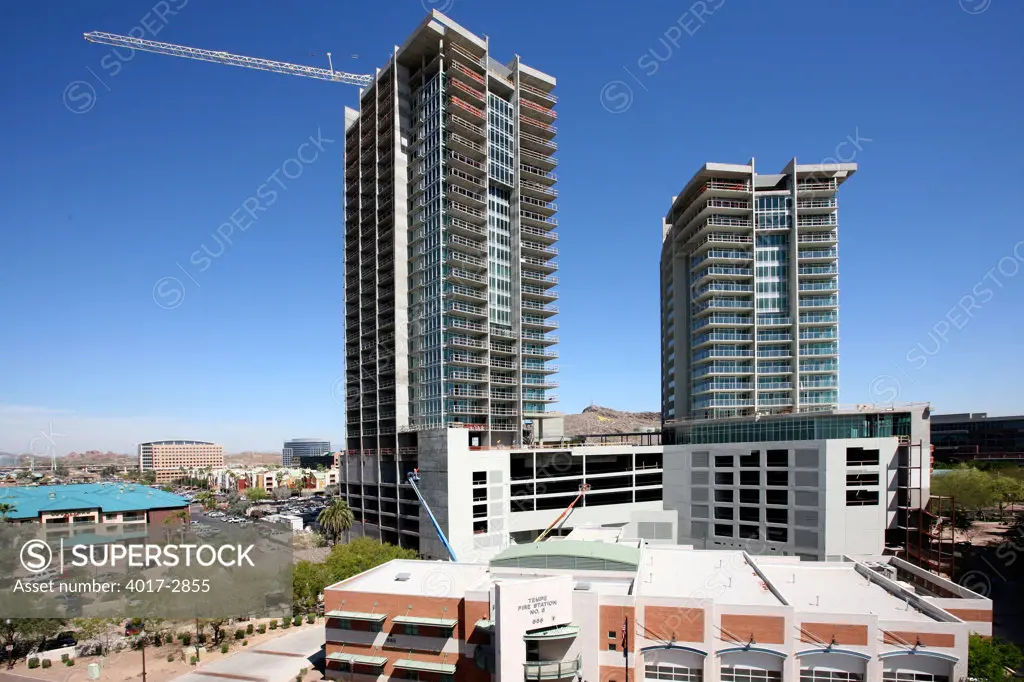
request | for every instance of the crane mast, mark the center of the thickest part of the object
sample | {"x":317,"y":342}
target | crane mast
{"x":228,"y":58}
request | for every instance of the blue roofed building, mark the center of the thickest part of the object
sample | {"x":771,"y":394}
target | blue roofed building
{"x":91,"y":503}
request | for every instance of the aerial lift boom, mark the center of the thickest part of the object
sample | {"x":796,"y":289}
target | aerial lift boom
{"x":412,"y":477}
{"x":583,"y":491}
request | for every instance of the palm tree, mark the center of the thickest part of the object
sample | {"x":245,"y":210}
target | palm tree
{"x":5,"y":509}
{"x":336,"y":519}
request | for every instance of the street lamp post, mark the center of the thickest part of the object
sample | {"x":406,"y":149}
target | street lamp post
{"x":10,"y":648}
{"x":143,"y":635}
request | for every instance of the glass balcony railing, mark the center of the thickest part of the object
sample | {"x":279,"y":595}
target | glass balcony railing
{"x":721,"y":254}
{"x":774,"y":386}
{"x":826,"y":317}
{"x":722,"y":336}
{"x":818,"y":253}
{"x":826,"y":285}
{"x":818,"y":270}
{"x":721,"y":319}
{"x":818,"y":301}
{"x":723,"y":352}
{"x":551,"y":670}
{"x":723,"y":386}
{"x":807,"y":334}
{"x":819,"y":366}
{"x":726,"y":270}
{"x":824,"y":382}
{"x":819,"y":349}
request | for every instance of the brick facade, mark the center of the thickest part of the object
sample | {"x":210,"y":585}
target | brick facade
{"x":672,"y":623}
{"x":935,"y":639}
{"x":839,"y":633}
{"x":761,"y":629}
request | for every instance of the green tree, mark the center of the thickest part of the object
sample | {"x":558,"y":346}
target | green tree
{"x":239,"y":506}
{"x":101,"y":630}
{"x":24,"y":633}
{"x":308,"y":582}
{"x":988,"y":659}
{"x":216,"y":626}
{"x":360,"y":555}
{"x":1008,"y":490}
{"x":206,"y":499}
{"x":5,"y":509}
{"x":256,"y":494}
{"x":309,"y":578}
{"x":970,"y":488}
{"x":336,"y":519}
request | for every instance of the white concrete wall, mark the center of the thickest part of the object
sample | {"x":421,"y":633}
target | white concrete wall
{"x":603,"y":515}
{"x":839,"y":529}
{"x":857,"y":529}
{"x":447,"y":467}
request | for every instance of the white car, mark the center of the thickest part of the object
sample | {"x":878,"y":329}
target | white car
{"x":43,"y":576}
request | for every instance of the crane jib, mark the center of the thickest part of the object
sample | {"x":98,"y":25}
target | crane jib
{"x":228,"y":58}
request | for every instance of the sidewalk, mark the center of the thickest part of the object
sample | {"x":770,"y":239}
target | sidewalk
{"x":278,"y":660}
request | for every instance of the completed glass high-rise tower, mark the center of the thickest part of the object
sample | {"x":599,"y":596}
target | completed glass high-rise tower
{"x":750,"y":292}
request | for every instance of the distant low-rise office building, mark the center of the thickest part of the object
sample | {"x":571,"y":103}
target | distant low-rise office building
{"x":91,"y":503}
{"x":303,"y":447}
{"x":978,"y":437}
{"x":576,"y":610}
{"x":326,"y":460}
{"x":171,"y":459}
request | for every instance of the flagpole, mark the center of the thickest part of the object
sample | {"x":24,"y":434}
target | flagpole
{"x":625,"y":647}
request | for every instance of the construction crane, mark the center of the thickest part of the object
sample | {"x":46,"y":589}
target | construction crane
{"x":412,"y":477}
{"x":584,"y":489}
{"x":328,"y":74}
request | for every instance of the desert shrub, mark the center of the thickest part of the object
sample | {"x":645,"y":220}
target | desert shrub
{"x":46,"y":663}
{"x":33,"y":662}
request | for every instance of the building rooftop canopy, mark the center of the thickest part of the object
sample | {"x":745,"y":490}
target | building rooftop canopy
{"x":570,"y":554}
{"x":107,"y":497}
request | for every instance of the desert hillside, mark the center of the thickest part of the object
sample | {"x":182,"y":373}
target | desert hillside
{"x":597,"y":420}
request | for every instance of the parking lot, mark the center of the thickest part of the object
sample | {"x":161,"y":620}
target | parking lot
{"x":211,"y":522}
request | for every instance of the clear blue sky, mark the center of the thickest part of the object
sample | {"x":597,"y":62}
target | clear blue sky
{"x":101,"y":205}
